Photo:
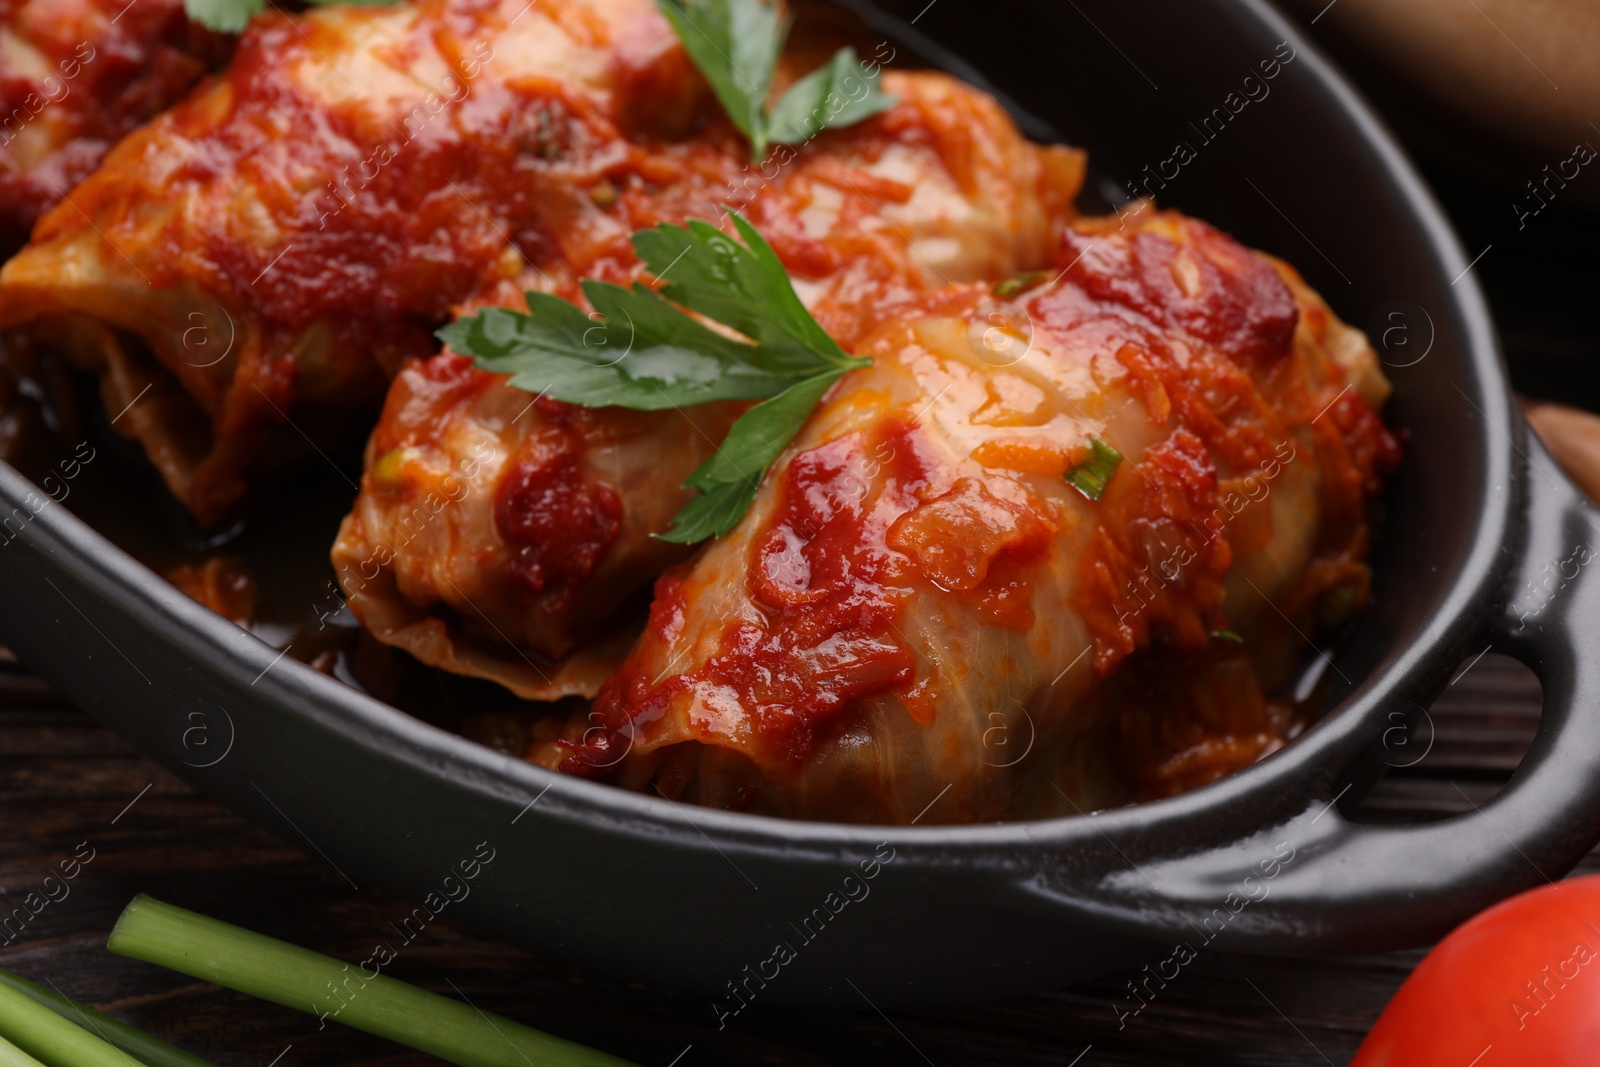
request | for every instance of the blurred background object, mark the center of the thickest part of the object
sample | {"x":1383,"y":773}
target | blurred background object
{"x":1451,"y":73}
{"x":1499,"y":103}
{"x":1573,"y":437}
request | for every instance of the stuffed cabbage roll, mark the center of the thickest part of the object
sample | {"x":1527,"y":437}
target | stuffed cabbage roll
{"x":1000,"y":582}
{"x":76,"y":76}
{"x":495,"y":531}
{"x":297,"y":228}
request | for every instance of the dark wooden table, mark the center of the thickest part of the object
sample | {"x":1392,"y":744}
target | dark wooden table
{"x":65,"y":781}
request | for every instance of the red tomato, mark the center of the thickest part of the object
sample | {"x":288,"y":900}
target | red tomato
{"x":1517,"y":984}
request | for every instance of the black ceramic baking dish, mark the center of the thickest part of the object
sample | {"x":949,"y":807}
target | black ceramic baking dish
{"x":1485,"y":541}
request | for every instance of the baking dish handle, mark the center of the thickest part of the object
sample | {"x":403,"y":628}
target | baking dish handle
{"x":1319,"y":882}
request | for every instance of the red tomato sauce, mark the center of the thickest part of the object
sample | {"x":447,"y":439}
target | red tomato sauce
{"x":556,"y":524}
{"x":1240,"y":407}
{"x":831,"y":588}
{"x":1203,"y":334}
{"x":1150,"y":517}
{"x":424,"y":404}
{"x":107,"y":67}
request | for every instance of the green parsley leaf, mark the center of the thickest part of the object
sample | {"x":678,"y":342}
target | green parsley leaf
{"x":837,"y":94}
{"x":736,"y":43}
{"x":727,"y":482}
{"x":743,"y":287}
{"x":232,"y":16}
{"x":1093,"y":475}
{"x":1226,"y":635}
{"x":640,"y":350}
{"x":224,"y":16}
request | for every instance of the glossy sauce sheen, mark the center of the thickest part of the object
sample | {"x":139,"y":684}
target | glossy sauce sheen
{"x":321,"y":207}
{"x":907,"y":527}
{"x":917,"y":586}
{"x":556,"y":524}
{"x":295,"y":231}
{"x":388,"y":227}
{"x":76,"y":76}
{"x":536,"y":555}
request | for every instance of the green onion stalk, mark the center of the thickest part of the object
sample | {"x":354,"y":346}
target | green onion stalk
{"x":41,"y":1036}
{"x":295,"y":977}
{"x":141,"y":1046}
{"x":12,"y":1056}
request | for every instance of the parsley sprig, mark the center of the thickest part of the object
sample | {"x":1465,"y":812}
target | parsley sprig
{"x":232,"y":16}
{"x":736,"y":44}
{"x":224,"y":16}
{"x":640,"y":350}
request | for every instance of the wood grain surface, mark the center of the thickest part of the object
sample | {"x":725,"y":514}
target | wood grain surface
{"x":65,"y":780}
